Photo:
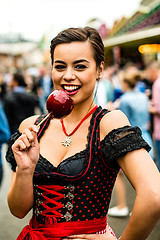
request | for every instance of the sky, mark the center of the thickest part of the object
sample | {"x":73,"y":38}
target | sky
{"x":34,"y":18}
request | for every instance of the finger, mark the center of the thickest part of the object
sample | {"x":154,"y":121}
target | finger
{"x":74,"y":238}
{"x":82,"y":236}
{"x":29,"y":135}
{"x":91,"y":237}
{"x":68,"y":238}
{"x":25,"y":140}
{"x":19,"y":145}
{"x":31,"y":132}
{"x":34,"y":128}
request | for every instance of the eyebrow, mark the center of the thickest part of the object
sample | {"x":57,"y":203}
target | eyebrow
{"x":77,"y":61}
{"x":59,"y":61}
{"x":81,"y":60}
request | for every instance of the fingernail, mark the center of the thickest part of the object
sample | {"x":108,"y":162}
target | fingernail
{"x":35,"y":129}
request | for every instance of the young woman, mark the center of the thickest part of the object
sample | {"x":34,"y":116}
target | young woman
{"x":69,"y":185}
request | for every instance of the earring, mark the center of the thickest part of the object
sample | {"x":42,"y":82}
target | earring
{"x":99,"y":77}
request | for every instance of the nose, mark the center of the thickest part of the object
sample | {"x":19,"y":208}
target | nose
{"x":69,"y":74}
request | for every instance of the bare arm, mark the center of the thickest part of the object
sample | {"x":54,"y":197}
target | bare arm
{"x":145,"y":178}
{"x":20,"y":194}
{"x":26,"y":153}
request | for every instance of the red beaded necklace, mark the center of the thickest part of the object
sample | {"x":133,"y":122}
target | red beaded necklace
{"x":67,"y":141}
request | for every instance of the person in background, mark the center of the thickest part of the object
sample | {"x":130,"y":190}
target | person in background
{"x":4,"y":136}
{"x":2,"y":87}
{"x":117,"y":85}
{"x":18,"y":104}
{"x":135,"y":105}
{"x":46,"y":82}
{"x":153,"y":74}
{"x":104,"y":91}
{"x":43,"y":86}
{"x":69,"y":185}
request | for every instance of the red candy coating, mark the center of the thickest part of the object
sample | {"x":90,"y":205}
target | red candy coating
{"x":59,"y":104}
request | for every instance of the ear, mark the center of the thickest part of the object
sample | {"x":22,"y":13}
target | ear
{"x":100,"y":71}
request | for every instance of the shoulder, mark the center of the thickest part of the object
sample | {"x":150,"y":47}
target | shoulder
{"x":143,"y":96}
{"x":157,"y":83}
{"x":113,"y":120}
{"x":129,"y":97}
{"x":125,"y":98}
{"x":27,"y":122}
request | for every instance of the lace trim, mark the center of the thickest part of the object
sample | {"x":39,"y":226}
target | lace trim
{"x":9,"y":154}
{"x":121,"y":141}
{"x":85,"y":152}
{"x":116,"y":144}
{"x":43,"y":127}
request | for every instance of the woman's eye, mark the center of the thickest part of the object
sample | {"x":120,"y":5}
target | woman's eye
{"x":80,"y":66}
{"x":59,"y":67}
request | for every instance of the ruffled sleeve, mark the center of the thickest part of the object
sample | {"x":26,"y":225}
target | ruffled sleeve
{"x":9,"y":154}
{"x":121,"y":141}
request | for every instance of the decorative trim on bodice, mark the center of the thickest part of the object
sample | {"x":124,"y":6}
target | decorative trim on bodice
{"x":51,"y":199}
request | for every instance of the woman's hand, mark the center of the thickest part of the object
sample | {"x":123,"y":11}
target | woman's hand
{"x":26,"y":149}
{"x":106,"y":236}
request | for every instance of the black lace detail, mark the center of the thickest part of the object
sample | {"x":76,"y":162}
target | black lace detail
{"x":116,"y":144}
{"x":121,"y":141}
{"x":81,"y":158}
{"x":75,"y":165}
{"x":71,"y":166}
{"x":9,"y":154}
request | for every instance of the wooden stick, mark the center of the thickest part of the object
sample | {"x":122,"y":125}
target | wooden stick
{"x":43,"y":119}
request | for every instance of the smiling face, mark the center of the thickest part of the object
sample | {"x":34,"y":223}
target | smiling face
{"x":75,"y":71}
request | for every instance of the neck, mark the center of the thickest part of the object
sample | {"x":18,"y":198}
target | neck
{"x":77,"y":126}
{"x":78,"y":112}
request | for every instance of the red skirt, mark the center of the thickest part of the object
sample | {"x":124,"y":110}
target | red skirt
{"x":36,"y":231}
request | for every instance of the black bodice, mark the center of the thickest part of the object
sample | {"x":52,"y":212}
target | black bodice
{"x":80,"y":187}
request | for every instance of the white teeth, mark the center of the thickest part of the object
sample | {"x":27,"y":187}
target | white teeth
{"x":70,"y":88}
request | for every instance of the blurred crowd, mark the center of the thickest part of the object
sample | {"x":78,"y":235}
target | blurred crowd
{"x":23,"y":93}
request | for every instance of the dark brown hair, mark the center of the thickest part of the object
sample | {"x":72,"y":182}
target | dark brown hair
{"x":131,"y":78}
{"x":19,"y":78}
{"x":81,"y":35}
